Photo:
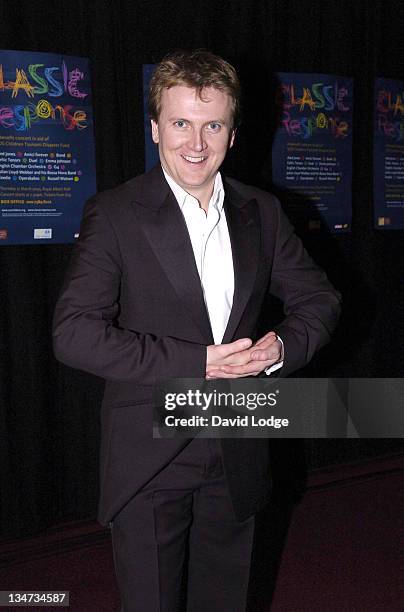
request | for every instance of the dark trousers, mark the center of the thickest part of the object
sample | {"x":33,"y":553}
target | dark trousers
{"x":184,"y":513}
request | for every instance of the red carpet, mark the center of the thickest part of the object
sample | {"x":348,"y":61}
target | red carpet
{"x":345,"y":547}
{"x":78,"y":560}
{"x":344,"y":550}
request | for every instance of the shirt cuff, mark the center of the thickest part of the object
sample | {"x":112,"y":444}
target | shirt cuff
{"x":276,"y":366}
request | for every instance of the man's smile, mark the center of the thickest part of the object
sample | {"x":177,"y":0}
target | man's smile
{"x":194,"y":160}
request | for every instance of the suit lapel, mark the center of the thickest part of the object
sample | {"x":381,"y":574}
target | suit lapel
{"x":244,"y":228}
{"x":166,"y":231}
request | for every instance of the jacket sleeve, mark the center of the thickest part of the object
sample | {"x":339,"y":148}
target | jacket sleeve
{"x":85,"y":333}
{"x":311,"y":304}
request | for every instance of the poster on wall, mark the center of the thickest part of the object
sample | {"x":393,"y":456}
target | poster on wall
{"x":47,"y":162}
{"x":388,"y":154}
{"x":151,"y":150}
{"x":312,"y":149}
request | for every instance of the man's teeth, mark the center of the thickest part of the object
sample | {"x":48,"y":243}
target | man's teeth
{"x":194,"y":160}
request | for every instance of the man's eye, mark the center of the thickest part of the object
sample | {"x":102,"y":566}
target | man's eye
{"x":214,"y":126}
{"x":180,"y":123}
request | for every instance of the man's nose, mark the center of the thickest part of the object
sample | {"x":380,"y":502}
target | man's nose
{"x":197,"y":141}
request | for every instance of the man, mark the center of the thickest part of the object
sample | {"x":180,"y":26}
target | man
{"x":167,"y":280}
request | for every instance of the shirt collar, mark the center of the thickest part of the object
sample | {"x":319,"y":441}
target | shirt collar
{"x":181,"y":195}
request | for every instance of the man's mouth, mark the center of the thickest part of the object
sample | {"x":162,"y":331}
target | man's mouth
{"x":194,"y":160}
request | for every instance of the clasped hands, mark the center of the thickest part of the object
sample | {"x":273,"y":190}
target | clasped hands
{"x":243,"y":357}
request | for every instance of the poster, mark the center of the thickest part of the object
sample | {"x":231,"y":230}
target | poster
{"x":47,"y":164}
{"x":388,"y":154}
{"x":312,"y":149}
{"x":151,"y":149}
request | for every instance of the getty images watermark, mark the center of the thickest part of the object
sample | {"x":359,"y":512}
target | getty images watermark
{"x":288,"y":408}
{"x":216,"y":400}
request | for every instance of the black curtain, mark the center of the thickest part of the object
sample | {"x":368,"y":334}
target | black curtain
{"x":49,"y":413}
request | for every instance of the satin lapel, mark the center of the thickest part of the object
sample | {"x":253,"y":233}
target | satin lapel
{"x":166,"y":231}
{"x":244,"y":228}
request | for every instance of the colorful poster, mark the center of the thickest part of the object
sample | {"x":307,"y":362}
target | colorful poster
{"x":388,"y":154}
{"x":47,"y":163}
{"x":312,"y":149}
{"x":151,"y":150}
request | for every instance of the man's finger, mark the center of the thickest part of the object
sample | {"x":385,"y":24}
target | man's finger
{"x":264,"y":355}
{"x":237,"y":346}
{"x":274,"y":352}
{"x":219,"y":374}
{"x":270,"y":337}
{"x":223,"y":375}
{"x":236,"y":352}
{"x":253,"y":367}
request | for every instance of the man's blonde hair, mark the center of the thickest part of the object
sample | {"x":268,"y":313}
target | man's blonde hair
{"x":197,"y":69}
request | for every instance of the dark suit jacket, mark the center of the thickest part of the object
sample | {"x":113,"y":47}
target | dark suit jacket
{"x":132,"y":311}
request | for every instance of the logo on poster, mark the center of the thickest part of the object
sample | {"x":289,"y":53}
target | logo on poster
{"x":42,"y":233}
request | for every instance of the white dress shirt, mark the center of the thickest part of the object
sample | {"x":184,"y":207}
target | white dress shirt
{"x":211,"y":245}
{"x":210,"y":241}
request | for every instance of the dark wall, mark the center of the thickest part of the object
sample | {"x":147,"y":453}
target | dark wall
{"x":49,"y":413}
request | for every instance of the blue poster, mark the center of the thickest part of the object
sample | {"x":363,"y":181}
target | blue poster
{"x":151,"y":149}
{"x":312,"y":149}
{"x":47,"y":163}
{"x":388,"y":154}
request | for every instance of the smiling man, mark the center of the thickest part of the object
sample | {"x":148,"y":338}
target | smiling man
{"x":168,"y":280}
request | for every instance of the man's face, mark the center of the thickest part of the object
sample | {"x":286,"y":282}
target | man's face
{"x":193,"y":135}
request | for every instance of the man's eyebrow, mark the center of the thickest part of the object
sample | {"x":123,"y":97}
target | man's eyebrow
{"x":178,"y":118}
{"x":217,"y":121}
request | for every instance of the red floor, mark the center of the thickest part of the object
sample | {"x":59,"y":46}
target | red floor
{"x":344,"y":551}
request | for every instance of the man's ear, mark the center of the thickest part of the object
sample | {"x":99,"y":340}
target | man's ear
{"x":232,"y":137}
{"x":154,"y":131}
